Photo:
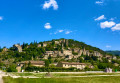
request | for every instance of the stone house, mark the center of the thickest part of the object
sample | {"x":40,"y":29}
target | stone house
{"x":5,"y":49}
{"x":108,"y":57}
{"x":45,"y":57}
{"x":17,"y":47}
{"x":114,"y":57}
{"x":77,"y":65}
{"x":67,"y":52}
{"x":44,"y":44}
{"x":33,"y":63}
{"x":87,"y":52}
{"x":39,"y":45}
{"x":116,"y":64}
{"x":96,"y":54}
{"x":76,"y":50}
{"x":68,"y":57}
{"x":80,"y":52}
{"x":57,"y":42}
{"x":49,"y":53}
{"x":84,"y":51}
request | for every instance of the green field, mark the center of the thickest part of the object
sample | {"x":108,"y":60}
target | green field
{"x":41,"y":75}
{"x":111,"y":79}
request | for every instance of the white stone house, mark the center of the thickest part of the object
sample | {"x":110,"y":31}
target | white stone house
{"x":77,"y":65}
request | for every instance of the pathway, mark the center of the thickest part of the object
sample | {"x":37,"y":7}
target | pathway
{"x":1,"y":75}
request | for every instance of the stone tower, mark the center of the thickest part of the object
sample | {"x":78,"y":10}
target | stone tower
{"x":84,"y":51}
{"x":66,"y":42}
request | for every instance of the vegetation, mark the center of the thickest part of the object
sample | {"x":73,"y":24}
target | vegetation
{"x":12,"y":68}
{"x":109,"y":79}
{"x":41,"y":75}
{"x":33,"y":52}
{"x":50,"y":69}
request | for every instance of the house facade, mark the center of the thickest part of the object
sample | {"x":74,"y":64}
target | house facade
{"x":77,"y":65}
{"x":33,"y":63}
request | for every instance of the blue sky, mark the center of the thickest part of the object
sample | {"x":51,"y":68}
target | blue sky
{"x":95,"y":22}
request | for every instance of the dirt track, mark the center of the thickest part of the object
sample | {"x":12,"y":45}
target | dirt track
{"x":1,"y":75}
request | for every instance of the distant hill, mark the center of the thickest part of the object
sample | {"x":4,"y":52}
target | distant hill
{"x":114,"y":52}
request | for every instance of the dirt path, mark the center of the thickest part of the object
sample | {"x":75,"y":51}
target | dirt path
{"x":1,"y":80}
{"x":1,"y":75}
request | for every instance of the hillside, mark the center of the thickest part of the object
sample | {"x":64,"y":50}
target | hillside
{"x":68,"y":51}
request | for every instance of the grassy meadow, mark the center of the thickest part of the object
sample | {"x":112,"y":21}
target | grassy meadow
{"x":111,"y":79}
{"x":41,"y":75}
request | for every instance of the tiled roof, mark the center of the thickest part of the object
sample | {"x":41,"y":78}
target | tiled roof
{"x":33,"y":62}
{"x":73,"y":63}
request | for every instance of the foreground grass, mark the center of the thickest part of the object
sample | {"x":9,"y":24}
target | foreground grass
{"x":62,"y":74}
{"x":29,"y":74}
{"x":111,"y":79}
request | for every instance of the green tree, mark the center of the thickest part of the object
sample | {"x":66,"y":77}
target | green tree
{"x":47,"y":63}
{"x":29,"y":64}
{"x":12,"y":68}
{"x":0,"y":49}
{"x":81,"y":60}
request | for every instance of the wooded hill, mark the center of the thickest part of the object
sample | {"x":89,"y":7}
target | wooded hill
{"x":57,"y":50}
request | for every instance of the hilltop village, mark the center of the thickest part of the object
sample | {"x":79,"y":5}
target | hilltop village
{"x":56,"y":55}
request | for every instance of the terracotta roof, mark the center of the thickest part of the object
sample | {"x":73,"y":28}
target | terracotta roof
{"x":33,"y":62}
{"x":73,"y":63}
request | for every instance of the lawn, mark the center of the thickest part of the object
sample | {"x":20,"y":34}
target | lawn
{"x":111,"y":79}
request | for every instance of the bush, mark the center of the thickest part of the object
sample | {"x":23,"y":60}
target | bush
{"x":12,"y":68}
{"x":50,"y":69}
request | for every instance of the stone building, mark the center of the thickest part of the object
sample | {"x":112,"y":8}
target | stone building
{"x":114,"y":57}
{"x":80,"y":52}
{"x":67,"y":52}
{"x":96,"y":54}
{"x":57,"y":42}
{"x":49,"y":53}
{"x":44,"y":44}
{"x":33,"y":63}
{"x":76,"y":50}
{"x":116,"y":64}
{"x":77,"y":65}
{"x":84,"y":51}
{"x":87,"y":53}
{"x":5,"y":49}
{"x":68,"y":57}
{"x":39,"y":45}
{"x":17,"y":47}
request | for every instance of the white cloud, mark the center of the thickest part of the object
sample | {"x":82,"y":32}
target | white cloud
{"x":100,"y":18}
{"x":47,"y":26}
{"x":68,"y":32}
{"x":1,"y":18}
{"x":50,"y":3}
{"x":100,"y":2}
{"x":108,"y":46}
{"x":107,"y":24}
{"x":116,"y":27}
{"x":60,"y":31}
